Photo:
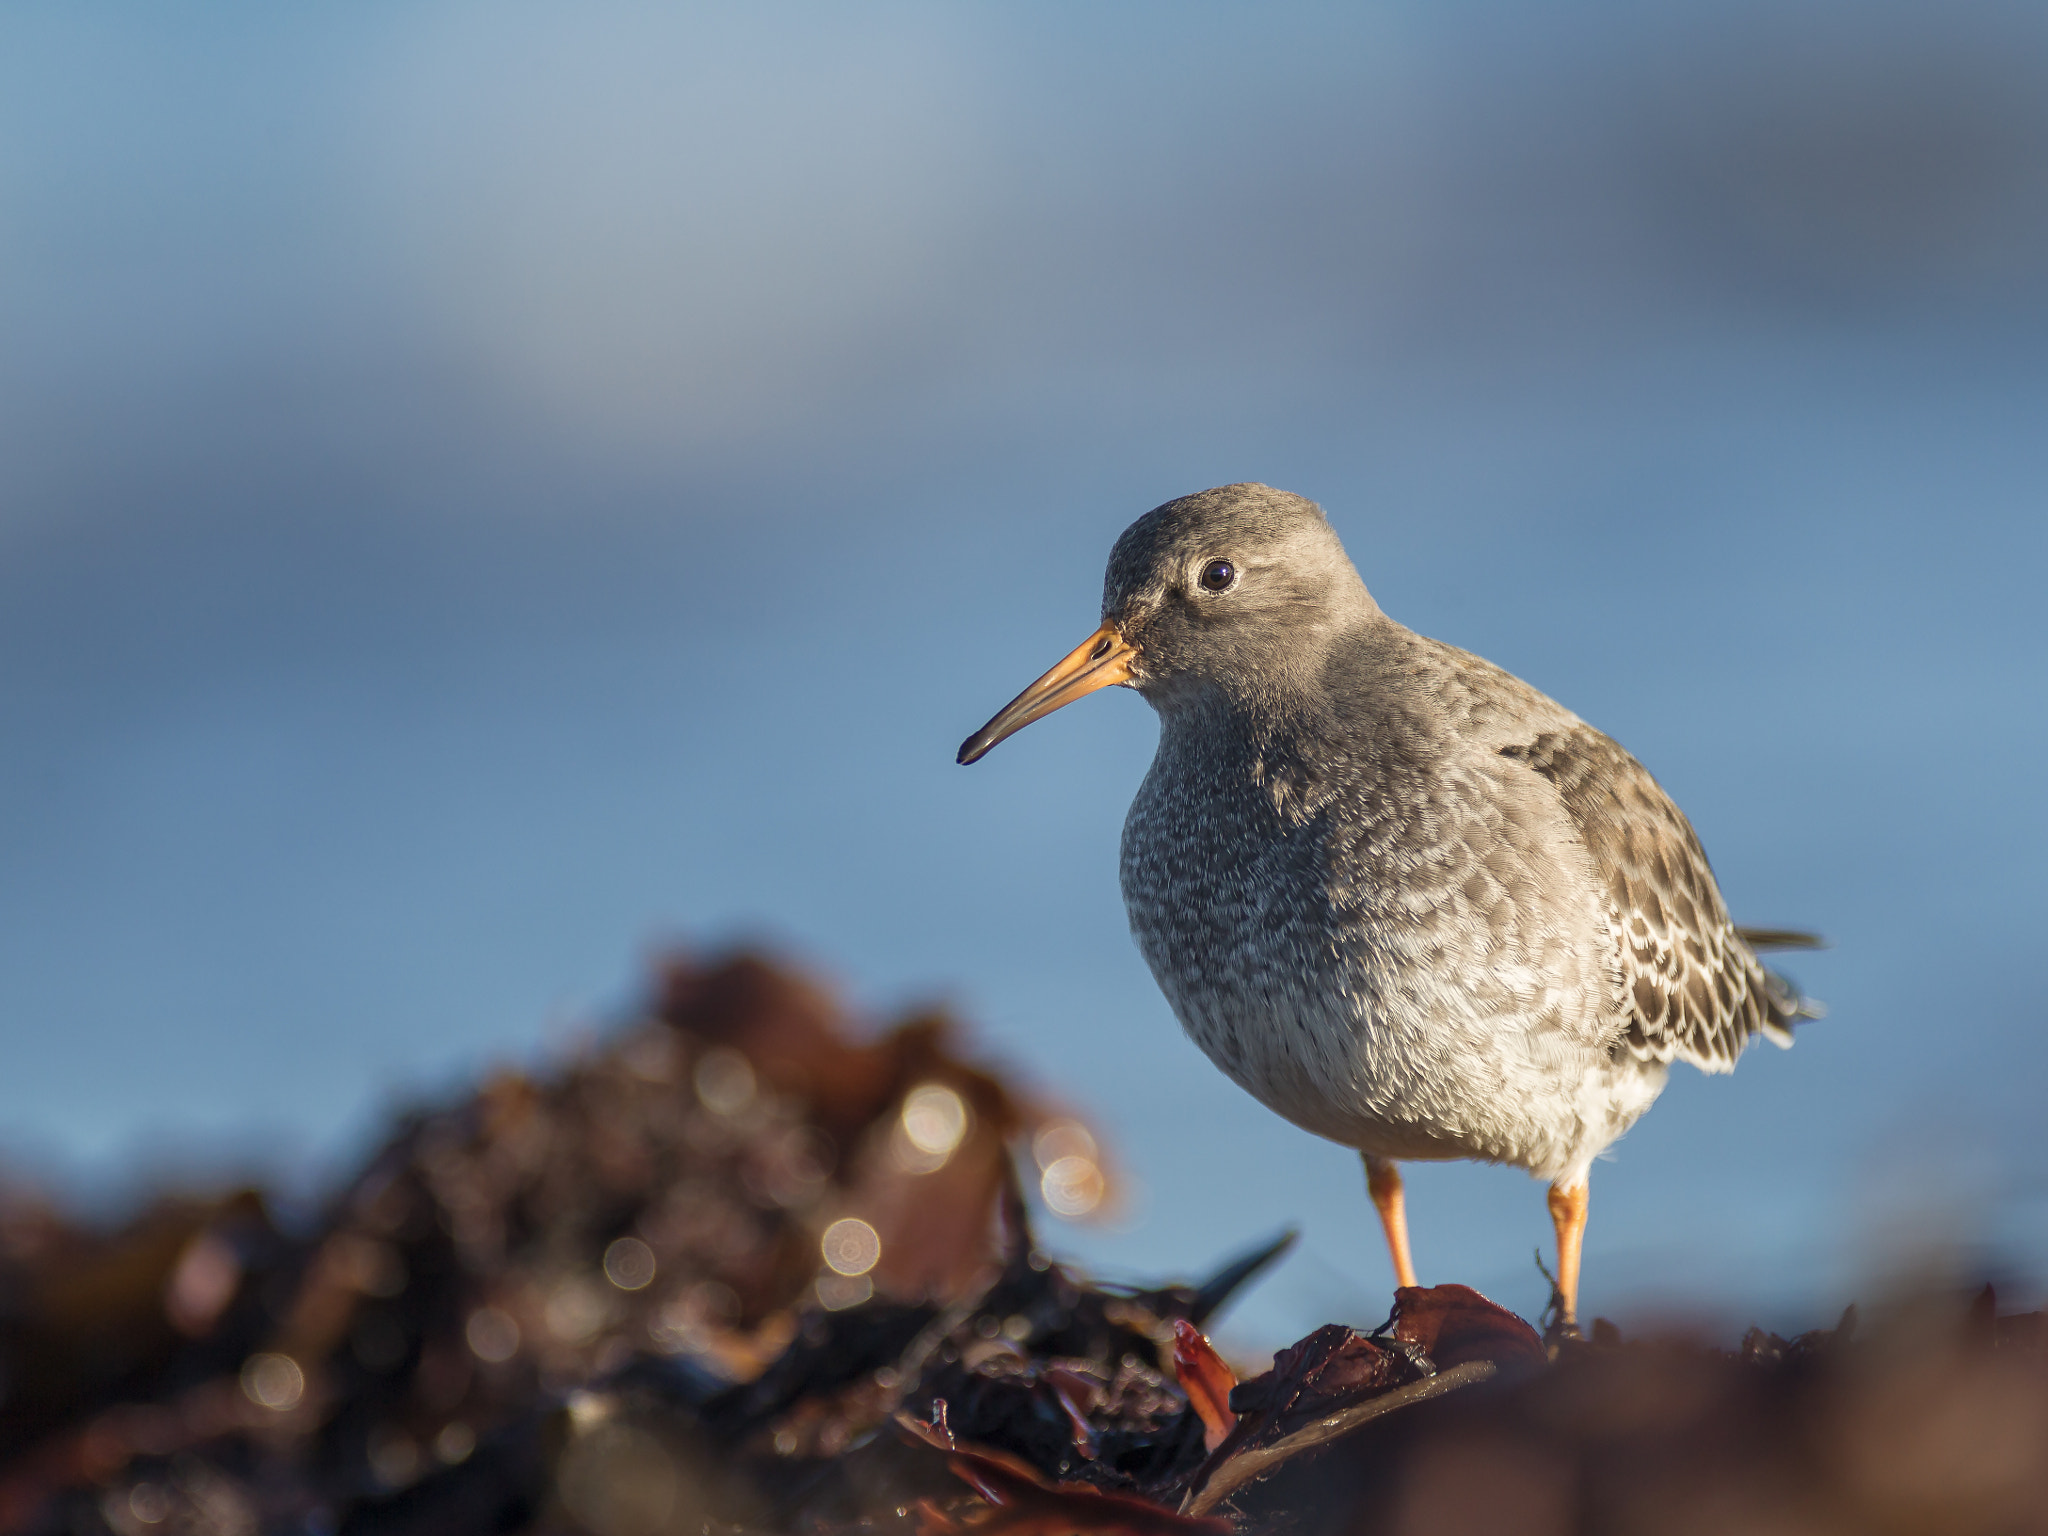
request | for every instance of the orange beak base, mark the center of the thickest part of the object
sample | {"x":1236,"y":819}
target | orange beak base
{"x":1101,"y":660}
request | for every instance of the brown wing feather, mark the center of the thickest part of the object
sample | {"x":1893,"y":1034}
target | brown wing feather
{"x":1695,"y":990}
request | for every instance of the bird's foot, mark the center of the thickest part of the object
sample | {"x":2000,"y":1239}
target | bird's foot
{"x":1560,"y":1327}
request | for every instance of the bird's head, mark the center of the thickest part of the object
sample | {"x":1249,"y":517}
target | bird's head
{"x":1235,"y":589}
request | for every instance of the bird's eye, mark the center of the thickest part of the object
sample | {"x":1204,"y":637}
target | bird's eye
{"x":1219,"y":575}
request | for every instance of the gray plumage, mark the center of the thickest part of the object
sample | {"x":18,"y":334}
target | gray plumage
{"x":1397,"y":894}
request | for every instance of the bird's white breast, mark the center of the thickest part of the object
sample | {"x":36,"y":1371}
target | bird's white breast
{"x":1361,"y":956}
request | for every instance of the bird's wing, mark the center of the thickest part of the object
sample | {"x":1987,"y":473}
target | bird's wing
{"x":1693,"y":987}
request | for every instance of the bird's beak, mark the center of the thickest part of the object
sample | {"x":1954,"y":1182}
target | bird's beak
{"x":1104,"y":658}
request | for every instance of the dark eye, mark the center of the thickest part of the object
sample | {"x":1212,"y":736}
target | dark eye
{"x":1219,"y":575}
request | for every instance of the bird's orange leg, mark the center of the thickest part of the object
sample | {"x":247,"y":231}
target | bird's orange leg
{"x":1568,"y":1215}
{"x":1383,"y":1181}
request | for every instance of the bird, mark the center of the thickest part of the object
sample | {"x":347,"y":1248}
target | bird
{"x":1400,"y":896}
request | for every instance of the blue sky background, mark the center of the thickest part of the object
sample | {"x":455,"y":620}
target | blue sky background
{"x":486,"y":490}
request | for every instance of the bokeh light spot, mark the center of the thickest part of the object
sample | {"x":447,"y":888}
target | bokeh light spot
{"x":933,"y":1123}
{"x":394,"y":1456}
{"x":576,"y":1309}
{"x":207,"y":1275}
{"x":838,"y":1292}
{"x":493,"y":1335}
{"x":273,"y":1381}
{"x":850,"y":1246}
{"x":934,"y":1119}
{"x":148,"y":1504}
{"x":629,"y":1264}
{"x":1072,"y":1186}
{"x":724,"y":1081}
{"x":1062,"y":1139}
{"x":454,"y":1443}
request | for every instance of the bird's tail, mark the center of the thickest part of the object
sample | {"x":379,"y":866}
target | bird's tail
{"x":1788,"y":1005}
{"x":1761,"y":939}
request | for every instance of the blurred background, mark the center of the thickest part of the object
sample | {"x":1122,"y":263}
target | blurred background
{"x":489,"y":491}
